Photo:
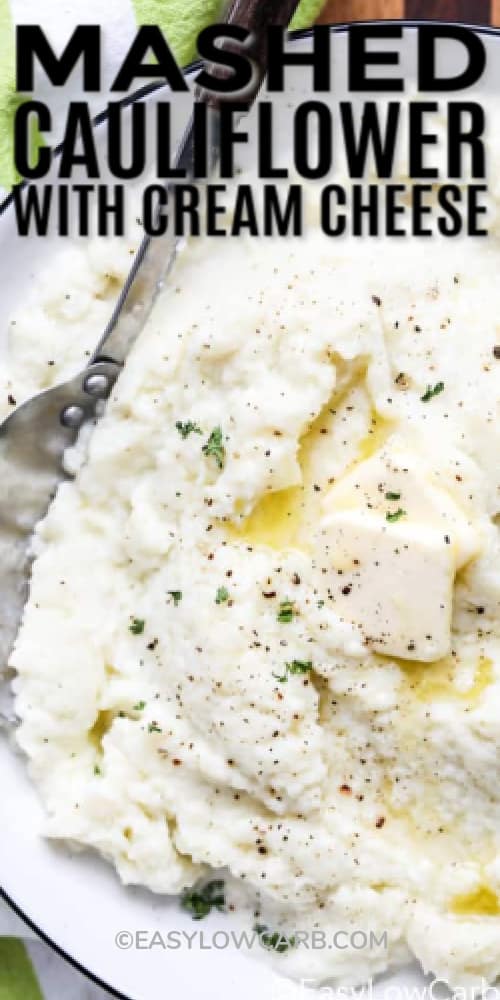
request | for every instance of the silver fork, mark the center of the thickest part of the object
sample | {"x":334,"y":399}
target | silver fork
{"x":35,"y":436}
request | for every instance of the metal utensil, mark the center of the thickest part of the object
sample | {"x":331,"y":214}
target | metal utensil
{"x":34,"y":437}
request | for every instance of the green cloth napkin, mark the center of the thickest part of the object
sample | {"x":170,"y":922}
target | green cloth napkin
{"x":8,"y":96}
{"x":17,"y":979}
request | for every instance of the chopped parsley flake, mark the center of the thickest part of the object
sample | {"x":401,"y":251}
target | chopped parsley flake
{"x":176,"y":596}
{"x":295,"y":667}
{"x":281,"y":677}
{"x":299,"y":666}
{"x":137,"y":626}
{"x":141,"y":705}
{"x":200,"y":902}
{"x":286,"y":612}
{"x":153,"y":728}
{"x":398,"y":514}
{"x":215,"y":448}
{"x":274,"y":940}
{"x":222,"y":595}
{"x":188,"y":428}
{"x":393,"y":496}
{"x":430,"y":392}
{"x":97,"y":769}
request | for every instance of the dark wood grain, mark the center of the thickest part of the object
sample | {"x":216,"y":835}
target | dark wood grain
{"x":470,"y":11}
{"x":342,"y":11}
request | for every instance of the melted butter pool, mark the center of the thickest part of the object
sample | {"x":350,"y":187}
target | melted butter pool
{"x":482,"y":902}
{"x":380,"y":428}
{"x":102,"y":725}
{"x":276,"y":520}
{"x":437,"y":681}
{"x":287,"y":518}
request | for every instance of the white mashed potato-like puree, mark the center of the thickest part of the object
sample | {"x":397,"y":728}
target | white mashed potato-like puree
{"x":262,"y":632}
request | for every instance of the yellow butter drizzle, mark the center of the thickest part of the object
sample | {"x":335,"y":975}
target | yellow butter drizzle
{"x":436,"y":681}
{"x":101,"y":726}
{"x":481,"y":902}
{"x":380,"y":428}
{"x":275,"y":521}
{"x":285,"y":519}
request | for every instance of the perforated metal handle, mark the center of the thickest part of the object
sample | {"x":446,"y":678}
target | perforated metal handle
{"x":256,"y":16}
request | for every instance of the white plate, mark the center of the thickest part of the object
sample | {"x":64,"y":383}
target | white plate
{"x":75,"y":900}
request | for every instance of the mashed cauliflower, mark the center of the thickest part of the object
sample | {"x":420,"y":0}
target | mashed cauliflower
{"x":263,"y":624}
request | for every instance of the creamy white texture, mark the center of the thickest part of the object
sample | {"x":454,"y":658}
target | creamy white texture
{"x":362,"y":792}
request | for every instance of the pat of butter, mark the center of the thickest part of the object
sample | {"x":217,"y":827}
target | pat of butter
{"x":395,"y":541}
{"x":396,"y":478}
{"x":394,"y":581}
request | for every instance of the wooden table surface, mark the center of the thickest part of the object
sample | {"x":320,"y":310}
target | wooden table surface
{"x":470,"y":11}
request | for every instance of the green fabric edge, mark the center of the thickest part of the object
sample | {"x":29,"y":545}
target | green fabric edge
{"x":17,"y":978}
{"x":9,"y":99}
